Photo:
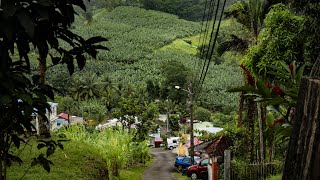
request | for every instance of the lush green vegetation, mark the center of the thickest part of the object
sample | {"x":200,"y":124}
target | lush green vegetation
{"x":89,"y":154}
{"x":150,"y":53}
{"x":277,"y":177}
{"x":138,"y":39}
{"x":179,"y":176}
{"x":77,"y":161}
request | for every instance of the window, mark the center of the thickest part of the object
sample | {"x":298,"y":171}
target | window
{"x":58,"y":124}
{"x":195,"y":162}
{"x":186,"y":160}
{"x":174,"y":141}
{"x":204,"y":162}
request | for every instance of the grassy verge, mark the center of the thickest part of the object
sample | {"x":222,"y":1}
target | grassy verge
{"x":133,"y":173}
{"x":179,"y":176}
{"x":277,"y":177}
{"x":76,"y":161}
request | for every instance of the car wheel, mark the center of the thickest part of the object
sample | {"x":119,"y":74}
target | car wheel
{"x":180,"y":168}
{"x":170,"y":147}
{"x":194,"y":175}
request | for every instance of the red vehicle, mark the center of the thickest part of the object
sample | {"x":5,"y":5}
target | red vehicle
{"x":198,"y":170}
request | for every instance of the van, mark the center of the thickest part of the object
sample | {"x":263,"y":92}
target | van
{"x":172,"y":142}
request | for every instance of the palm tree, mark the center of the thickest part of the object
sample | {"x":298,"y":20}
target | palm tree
{"x":86,"y":87}
{"x":250,"y":14}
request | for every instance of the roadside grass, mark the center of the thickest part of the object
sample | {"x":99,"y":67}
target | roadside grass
{"x":277,"y":177}
{"x":133,"y":173}
{"x":179,"y":176}
{"x":76,"y":161}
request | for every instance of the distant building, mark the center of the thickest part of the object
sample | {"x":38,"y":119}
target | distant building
{"x":51,"y":115}
{"x":64,"y":119}
{"x":205,"y":126}
{"x":111,"y":123}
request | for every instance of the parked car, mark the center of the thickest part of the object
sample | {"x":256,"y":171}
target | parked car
{"x":183,"y":162}
{"x":198,"y":170}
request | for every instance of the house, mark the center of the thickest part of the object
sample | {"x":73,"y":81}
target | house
{"x":65,"y":119}
{"x":51,"y":115}
{"x":155,"y":139}
{"x":111,"y":123}
{"x":157,"y":142}
{"x":205,"y":126}
{"x":58,"y":123}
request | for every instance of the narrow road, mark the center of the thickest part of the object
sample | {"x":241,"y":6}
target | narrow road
{"x":163,"y":165}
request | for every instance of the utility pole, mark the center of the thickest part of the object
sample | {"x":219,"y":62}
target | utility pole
{"x":168,"y":114}
{"x":190,"y":103}
{"x":190,"y":94}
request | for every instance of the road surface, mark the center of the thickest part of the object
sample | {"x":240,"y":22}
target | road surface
{"x":162,"y":167}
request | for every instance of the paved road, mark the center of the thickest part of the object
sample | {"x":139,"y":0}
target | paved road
{"x":162,"y":165}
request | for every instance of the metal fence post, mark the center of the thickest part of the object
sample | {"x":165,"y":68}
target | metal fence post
{"x":227,"y":165}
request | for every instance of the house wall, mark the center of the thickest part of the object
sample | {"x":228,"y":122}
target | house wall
{"x":58,"y":123}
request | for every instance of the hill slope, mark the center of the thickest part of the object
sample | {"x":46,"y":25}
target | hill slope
{"x":136,"y":37}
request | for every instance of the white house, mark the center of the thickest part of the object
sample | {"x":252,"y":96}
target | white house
{"x":58,"y":123}
{"x":51,"y":115}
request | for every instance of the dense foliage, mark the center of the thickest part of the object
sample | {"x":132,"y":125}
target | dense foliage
{"x":115,"y":146}
{"x":186,"y":9}
{"x":135,"y":36}
{"x":28,"y":26}
{"x":280,"y":40}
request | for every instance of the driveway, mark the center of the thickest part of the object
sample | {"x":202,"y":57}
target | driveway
{"x":162,"y":167}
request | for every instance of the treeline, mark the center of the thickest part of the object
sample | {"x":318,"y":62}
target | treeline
{"x":185,"y":9}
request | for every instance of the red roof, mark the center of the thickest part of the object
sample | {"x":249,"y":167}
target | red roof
{"x":157,"y":139}
{"x":63,"y":115}
{"x":196,"y":141}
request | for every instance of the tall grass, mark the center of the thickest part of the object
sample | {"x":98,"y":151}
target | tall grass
{"x":115,"y":146}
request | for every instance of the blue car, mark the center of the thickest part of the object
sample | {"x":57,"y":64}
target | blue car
{"x":183,"y":162}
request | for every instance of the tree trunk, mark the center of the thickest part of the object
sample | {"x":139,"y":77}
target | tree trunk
{"x":261,"y":139}
{"x":2,"y":151}
{"x":43,"y":123}
{"x":241,"y":103}
{"x":305,"y":137}
{"x":251,"y":117}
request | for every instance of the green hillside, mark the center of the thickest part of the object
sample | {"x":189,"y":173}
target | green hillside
{"x":140,"y":42}
{"x":134,"y":32}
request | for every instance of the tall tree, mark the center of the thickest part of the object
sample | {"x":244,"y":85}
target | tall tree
{"x":86,"y":87}
{"x":38,"y":25}
{"x":251,"y":14}
{"x":175,"y":74}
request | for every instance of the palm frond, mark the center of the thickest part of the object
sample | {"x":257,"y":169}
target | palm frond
{"x":235,"y":44}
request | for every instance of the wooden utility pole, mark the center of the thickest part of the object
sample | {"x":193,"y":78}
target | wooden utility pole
{"x":190,"y":93}
{"x":305,"y":138}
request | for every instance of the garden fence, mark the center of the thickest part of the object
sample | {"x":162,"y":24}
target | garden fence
{"x":254,"y":171}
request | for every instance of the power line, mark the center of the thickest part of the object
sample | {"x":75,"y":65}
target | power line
{"x":210,"y":42}
{"x":197,"y":62}
{"x":206,"y":32}
{"x":211,"y":49}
